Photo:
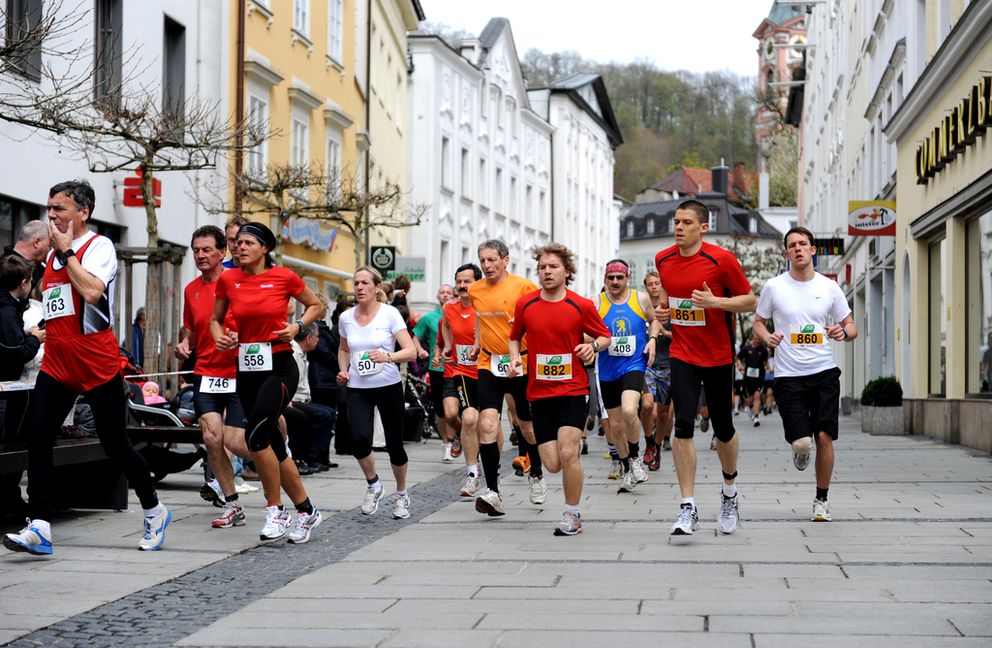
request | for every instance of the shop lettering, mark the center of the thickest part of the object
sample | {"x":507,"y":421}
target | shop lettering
{"x":955,"y":132}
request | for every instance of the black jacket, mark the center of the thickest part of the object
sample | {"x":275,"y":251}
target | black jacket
{"x":323,"y":370}
{"x":16,"y":346}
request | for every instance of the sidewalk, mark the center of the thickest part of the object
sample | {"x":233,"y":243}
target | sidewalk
{"x":907,"y":561}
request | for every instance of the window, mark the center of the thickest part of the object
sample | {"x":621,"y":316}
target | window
{"x":650,"y":226}
{"x":630,"y":229}
{"x":752,"y":225}
{"x":13,"y":215}
{"x":979,"y":309}
{"x":301,"y":16}
{"x":298,"y":151}
{"x":466,"y":175}
{"x":713,"y":220}
{"x":445,"y":162}
{"x":24,"y":54}
{"x":332,"y":164}
{"x":528,"y":200}
{"x":335,"y":29}
{"x":498,"y":190}
{"x":173,"y":70}
{"x":258,"y":117}
{"x":938,"y":323}
{"x":513,"y":207}
{"x":483,"y":198}
{"x":108,"y":54}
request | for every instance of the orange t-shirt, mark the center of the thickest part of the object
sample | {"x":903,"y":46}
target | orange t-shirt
{"x":494,"y":306}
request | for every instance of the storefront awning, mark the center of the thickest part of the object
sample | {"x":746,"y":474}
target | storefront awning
{"x":316,"y":267}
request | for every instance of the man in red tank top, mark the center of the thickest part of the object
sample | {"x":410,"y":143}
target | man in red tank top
{"x":81,"y":358}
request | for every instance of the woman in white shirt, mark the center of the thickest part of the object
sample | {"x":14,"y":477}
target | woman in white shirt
{"x":369,"y":334}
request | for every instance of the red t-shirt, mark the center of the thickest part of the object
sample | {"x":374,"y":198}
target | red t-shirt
{"x":553,"y":331}
{"x":259,"y":302}
{"x":461,"y":321}
{"x":711,"y":343}
{"x":198,"y":306}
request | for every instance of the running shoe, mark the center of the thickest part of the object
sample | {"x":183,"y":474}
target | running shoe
{"x":30,"y":539}
{"x":821,"y":511}
{"x":401,"y":507}
{"x":447,"y":457}
{"x":210,"y":492}
{"x":471,"y":487}
{"x":277,"y":520}
{"x":687,"y":521}
{"x":243,"y":487}
{"x":155,"y":526}
{"x":232,"y":515}
{"x":704,"y":425}
{"x":521,"y":465}
{"x":456,"y":446}
{"x":585,"y":447}
{"x":513,"y":437}
{"x":713,"y":443}
{"x":304,"y":525}
{"x":571,"y":524}
{"x":650,"y":454}
{"x":755,"y":421}
{"x":616,"y":470}
{"x":801,"y":449}
{"x":627,"y":482}
{"x":538,"y":490}
{"x":730,"y":517}
{"x":637,"y":468}
{"x":668,"y":444}
{"x":371,"y":502}
{"x":490,"y":503}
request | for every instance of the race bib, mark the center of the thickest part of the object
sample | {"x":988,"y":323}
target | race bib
{"x":554,"y":366}
{"x":461,"y":355}
{"x":753,"y":372}
{"x":57,"y":302}
{"x":210,"y":385}
{"x":806,"y":336}
{"x":622,"y":345}
{"x":685,"y":314}
{"x":255,"y":356}
{"x":364,"y":364}
{"x":499,"y":365}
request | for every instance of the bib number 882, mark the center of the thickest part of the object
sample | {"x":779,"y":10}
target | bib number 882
{"x":553,"y":370}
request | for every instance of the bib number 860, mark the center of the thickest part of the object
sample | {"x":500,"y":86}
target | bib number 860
{"x":807,"y":338}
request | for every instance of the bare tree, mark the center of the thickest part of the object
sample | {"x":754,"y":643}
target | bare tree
{"x":759,"y":263}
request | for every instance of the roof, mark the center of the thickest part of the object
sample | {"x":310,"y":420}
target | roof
{"x":731,"y":219}
{"x":689,"y":181}
{"x":572,"y":86}
{"x":781,"y":14}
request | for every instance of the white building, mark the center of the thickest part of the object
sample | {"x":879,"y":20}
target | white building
{"x":479,"y":156}
{"x":160,"y":48}
{"x":585,"y":136}
{"x":864,"y":57}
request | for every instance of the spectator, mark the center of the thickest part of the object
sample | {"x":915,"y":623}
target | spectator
{"x":138,"y":338}
{"x":322,"y":375}
{"x":32,"y":244}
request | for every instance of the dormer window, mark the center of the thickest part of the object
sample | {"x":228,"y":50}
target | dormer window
{"x":630,"y":229}
{"x":650,"y":226}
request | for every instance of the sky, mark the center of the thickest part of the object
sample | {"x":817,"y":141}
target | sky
{"x":694,"y":35}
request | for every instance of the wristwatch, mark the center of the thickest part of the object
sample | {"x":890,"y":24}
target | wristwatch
{"x":63,"y":257}
{"x":595,"y":346}
{"x":844,"y":330}
{"x":300,"y":323}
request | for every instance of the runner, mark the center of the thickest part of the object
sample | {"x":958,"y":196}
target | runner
{"x":81,"y":358}
{"x":803,"y":303}
{"x":628,"y":315}
{"x":702,"y":284}
{"x":370,"y":368}
{"x":656,"y":402}
{"x":425,"y":339}
{"x":752,"y":360}
{"x":494,"y":297}
{"x":231,"y":234}
{"x":216,"y":403}
{"x":461,"y":387}
{"x":257,"y":293}
{"x":556,"y":320}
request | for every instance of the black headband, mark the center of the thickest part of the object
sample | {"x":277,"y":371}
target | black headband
{"x":260,"y":232}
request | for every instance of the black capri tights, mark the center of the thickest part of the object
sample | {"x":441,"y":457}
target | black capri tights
{"x":717,"y":383}
{"x":361,"y":415}
{"x":264,"y":395}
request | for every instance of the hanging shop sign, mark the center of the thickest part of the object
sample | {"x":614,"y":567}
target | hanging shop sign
{"x":414,"y":268}
{"x":829,"y":246}
{"x":871,"y":218}
{"x":304,"y":231}
{"x":956,"y":131}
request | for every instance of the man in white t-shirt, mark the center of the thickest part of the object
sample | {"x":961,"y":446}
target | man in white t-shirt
{"x":808,"y":310}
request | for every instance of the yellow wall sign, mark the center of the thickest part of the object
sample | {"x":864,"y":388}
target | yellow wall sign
{"x":871,"y":218}
{"x":956,"y":131}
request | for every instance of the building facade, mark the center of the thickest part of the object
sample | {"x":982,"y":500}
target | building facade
{"x":784,"y":26}
{"x":480,"y":157}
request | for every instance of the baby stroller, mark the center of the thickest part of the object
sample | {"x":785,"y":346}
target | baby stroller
{"x":418,"y":423}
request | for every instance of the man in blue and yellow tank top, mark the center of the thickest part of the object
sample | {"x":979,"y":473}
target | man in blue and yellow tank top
{"x":630,"y":318}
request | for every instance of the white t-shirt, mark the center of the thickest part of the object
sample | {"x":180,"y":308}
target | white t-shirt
{"x":99,"y":259}
{"x":302,"y":394}
{"x":380,"y":333}
{"x":800,"y":310}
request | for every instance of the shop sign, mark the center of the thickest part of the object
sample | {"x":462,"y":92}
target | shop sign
{"x":304,"y":231}
{"x":829,"y":247}
{"x":871,"y":218}
{"x":413,"y":267}
{"x":956,"y":131}
{"x":383,"y":258}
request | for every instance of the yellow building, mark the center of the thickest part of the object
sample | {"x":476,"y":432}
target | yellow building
{"x":302,"y":75}
{"x":943,"y":272}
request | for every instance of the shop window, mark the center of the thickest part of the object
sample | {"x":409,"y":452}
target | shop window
{"x":937,"y":320}
{"x":979,"y":309}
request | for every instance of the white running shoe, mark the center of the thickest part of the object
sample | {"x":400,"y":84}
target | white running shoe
{"x":371,"y":502}
{"x":616,"y":469}
{"x":32,"y":539}
{"x":730,"y":517}
{"x":571,"y":524}
{"x":401,"y":507}
{"x":821,"y":511}
{"x":627,"y":482}
{"x":490,"y":503}
{"x":687,"y":521}
{"x":244,"y":487}
{"x":232,"y":515}
{"x":755,"y":421}
{"x":447,"y":453}
{"x":637,"y":467}
{"x":713,"y":443}
{"x":304,"y":525}
{"x":801,"y":449}
{"x":277,"y":520}
{"x":155,"y":526}
{"x":538,"y":490}
{"x":471,"y":486}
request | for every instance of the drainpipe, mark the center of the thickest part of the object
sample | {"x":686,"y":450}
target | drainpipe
{"x":368,"y":125}
{"x":239,"y":110}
